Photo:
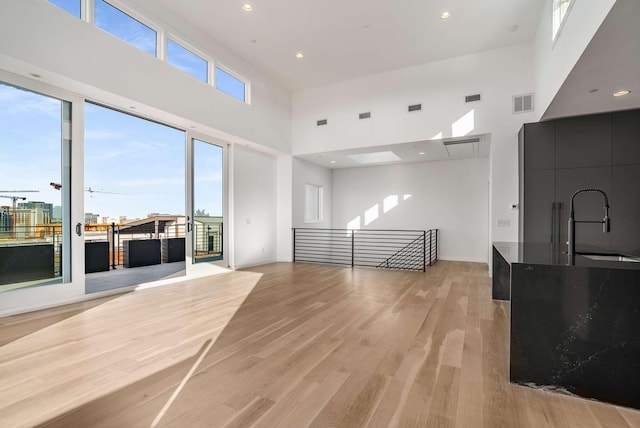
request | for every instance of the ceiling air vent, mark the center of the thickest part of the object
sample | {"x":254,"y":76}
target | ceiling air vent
{"x":522,"y":103}
{"x":366,"y":115}
{"x":472,"y":98}
{"x":462,"y":148}
{"x":415,"y":107}
{"x":322,"y":122}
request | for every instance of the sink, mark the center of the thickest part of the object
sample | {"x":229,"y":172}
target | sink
{"x":610,"y":257}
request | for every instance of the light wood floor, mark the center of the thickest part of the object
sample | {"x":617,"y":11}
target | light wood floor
{"x":289,"y":345}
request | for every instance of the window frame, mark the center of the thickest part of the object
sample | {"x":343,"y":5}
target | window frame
{"x":163,"y":35}
{"x":187,"y":46}
{"x":133,"y":14}
{"x":82,"y":8}
{"x":216,"y":66}
{"x":555,"y":32}
{"x":320,"y":203}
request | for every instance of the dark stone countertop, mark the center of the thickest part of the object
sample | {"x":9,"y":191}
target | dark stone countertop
{"x":554,"y":254}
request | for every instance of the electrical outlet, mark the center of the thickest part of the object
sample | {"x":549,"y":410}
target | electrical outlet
{"x":504,"y":223}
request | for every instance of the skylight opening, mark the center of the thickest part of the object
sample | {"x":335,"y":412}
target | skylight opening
{"x":377,"y":157}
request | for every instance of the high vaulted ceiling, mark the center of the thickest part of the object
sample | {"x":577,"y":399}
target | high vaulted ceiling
{"x":346,"y":39}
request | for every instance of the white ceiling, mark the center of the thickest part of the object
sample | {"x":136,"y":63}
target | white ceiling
{"x":346,"y":39}
{"x":610,"y":63}
{"x":433,"y":150}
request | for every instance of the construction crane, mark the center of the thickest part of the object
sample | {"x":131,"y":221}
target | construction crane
{"x":14,"y":199}
{"x":91,"y":190}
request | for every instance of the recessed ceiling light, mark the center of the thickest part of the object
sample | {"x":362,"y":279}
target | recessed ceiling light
{"x":247,"y":7}
{"x":621,"y":93}
{"x":333,"y":161}
{"x":37,"y":76}
{"x":299,"y":55}
{"x":421,"y":153}
{"x":446,"y":14}
{"x":593,"y":91}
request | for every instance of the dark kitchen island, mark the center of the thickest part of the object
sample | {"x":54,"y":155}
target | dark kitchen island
{"x":574,"y":328}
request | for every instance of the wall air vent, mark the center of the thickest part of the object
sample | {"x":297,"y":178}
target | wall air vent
{"x":321,"y":122}
{"x":415,"y":107}
{"x":522,"y":103}
{"x":472,"y":98}
{"x":366,"y":115}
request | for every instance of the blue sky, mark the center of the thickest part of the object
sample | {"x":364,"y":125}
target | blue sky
{"x":30,"y":145}
{"x":141,"y":163}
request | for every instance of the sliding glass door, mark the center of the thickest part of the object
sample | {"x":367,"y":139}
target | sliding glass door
{"x":88,"y":193}
{"x":207,"y":203}
{"x":134,"y":199}
{"x":35,"y":190}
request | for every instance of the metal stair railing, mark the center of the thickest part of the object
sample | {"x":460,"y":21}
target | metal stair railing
{"x":410,"y":257}
{"x":387,"y":249}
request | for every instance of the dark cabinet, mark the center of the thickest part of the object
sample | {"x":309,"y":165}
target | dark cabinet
{"x":625,"y":130}
{"x":560,"y":157}
{"x":537,"y":182}
{"x":583,"y":141}
{"x":625,"y":208}
{"x":538,"y":206}
{"x":539,"y":153}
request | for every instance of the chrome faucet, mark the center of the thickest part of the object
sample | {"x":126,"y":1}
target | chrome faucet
{"x":606,"y":223}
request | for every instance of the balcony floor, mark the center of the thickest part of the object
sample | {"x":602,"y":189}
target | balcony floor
{"x":126,"y":277}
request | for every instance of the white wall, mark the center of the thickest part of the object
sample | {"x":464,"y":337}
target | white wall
{"x":255,"y":215}
{"x":37,"y":37}
{"x":440,"y":86}
{"x":285,"y":208}
{"x":305,"y":172}
{"x":449,"y":195}
{"x":554,"y":62}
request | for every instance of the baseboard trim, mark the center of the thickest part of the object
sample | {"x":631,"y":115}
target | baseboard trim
{"x":251,"y":265}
